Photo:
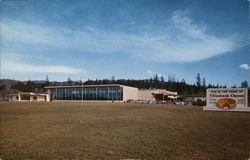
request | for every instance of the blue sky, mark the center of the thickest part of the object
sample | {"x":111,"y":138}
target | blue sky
{"x":126,"y":39}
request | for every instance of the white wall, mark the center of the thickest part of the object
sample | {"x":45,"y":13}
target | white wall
{"x":47,"y":98}
{"x":145,"y":95}
{"x":32,"y":99}
{"x":130,"y":93}
{"x":13,"y":98}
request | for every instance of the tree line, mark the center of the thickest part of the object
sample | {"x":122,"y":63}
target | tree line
{"x":156,"y":82}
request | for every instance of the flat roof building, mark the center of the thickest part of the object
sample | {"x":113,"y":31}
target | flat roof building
{"x":28,"y":97}
{"x":107,"y":92}
{"x":110,"y":92}
{"x":156,"y":95}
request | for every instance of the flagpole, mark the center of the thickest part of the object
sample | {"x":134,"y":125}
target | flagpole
{"x":82,"y":91}
{"x":80,"y":121}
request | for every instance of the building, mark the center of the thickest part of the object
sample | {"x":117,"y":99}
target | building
{"x":156,"y":95}
{"x":28,"y":97}
{"x":110,"y":92}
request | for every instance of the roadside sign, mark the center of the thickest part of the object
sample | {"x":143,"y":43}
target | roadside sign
{"x":227,"y":99}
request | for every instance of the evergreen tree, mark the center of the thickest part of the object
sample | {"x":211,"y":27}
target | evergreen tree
{"x":209,"y":86}
{"x":47,"y":78}
{"x":203,"y":82}
{"x":112,"y":79}
{"x":70,"y":82}
{"x":47,"y":81}
{"x":2,"y":87}
{"x":29,"y":87}
{"x":198,"y":80}
{"x":171,"y":78}
{"x":156,"y":78}
{"x":217,"y":86}
{"x":244,"y":84}
{"x":183,"y":81}
{"x":162,"y":79}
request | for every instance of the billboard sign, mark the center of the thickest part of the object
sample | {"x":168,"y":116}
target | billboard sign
{"x":227,"y":99}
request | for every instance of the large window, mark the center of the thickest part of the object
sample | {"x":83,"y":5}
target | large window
{"x":54,"y":94}
{"x":88,"y":93}
{"x":25,"y":97}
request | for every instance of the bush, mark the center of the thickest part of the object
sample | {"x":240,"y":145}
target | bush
{"x":199,"y":102}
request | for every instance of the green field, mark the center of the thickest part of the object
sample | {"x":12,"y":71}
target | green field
{"x":117,"y":131}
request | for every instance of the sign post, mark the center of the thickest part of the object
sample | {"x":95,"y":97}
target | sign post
{"x":227,"y":99}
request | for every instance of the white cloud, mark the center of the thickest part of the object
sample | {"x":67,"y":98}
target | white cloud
{"x":181,"y":41}
{"x":11,"y":63}
{"x":154,"y":73}
{"x":245,"y":66}
{"x":187,"y":43}
{"x":149,"y":72}
{"x":29,"y":68}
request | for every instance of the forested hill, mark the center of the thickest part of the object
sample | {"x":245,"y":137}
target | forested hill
{"x":156,"y":82}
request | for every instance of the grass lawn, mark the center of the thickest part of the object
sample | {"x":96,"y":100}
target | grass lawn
{"x":66,"y":131}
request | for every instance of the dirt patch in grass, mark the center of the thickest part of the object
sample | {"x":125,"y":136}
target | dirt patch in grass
{"x":121,"y":131}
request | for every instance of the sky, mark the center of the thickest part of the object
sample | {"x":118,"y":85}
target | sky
{"x":127,"y":39}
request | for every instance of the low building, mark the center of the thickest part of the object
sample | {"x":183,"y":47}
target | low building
{"x":109,"y":92}
{"x":156,"y":95}
{"x":28,"y":97}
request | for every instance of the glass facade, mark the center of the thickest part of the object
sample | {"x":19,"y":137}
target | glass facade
{"x":88,"y":93}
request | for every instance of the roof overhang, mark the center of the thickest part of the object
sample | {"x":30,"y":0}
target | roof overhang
{"x":28,"y":93}
{"x":85,"y":86}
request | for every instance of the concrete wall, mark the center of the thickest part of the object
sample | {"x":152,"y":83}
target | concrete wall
{"x":145,"y":95}
{"x":49,"y":91}
{"x":13,"y":98}
{"x":130,"y":93}
{"x":39,"y":98}
{"x":47,"y":98}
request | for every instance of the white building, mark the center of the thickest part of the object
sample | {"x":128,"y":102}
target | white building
{"x":107,"y":92}
{"x":28,"y":97}
{"x":156,"y":95}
